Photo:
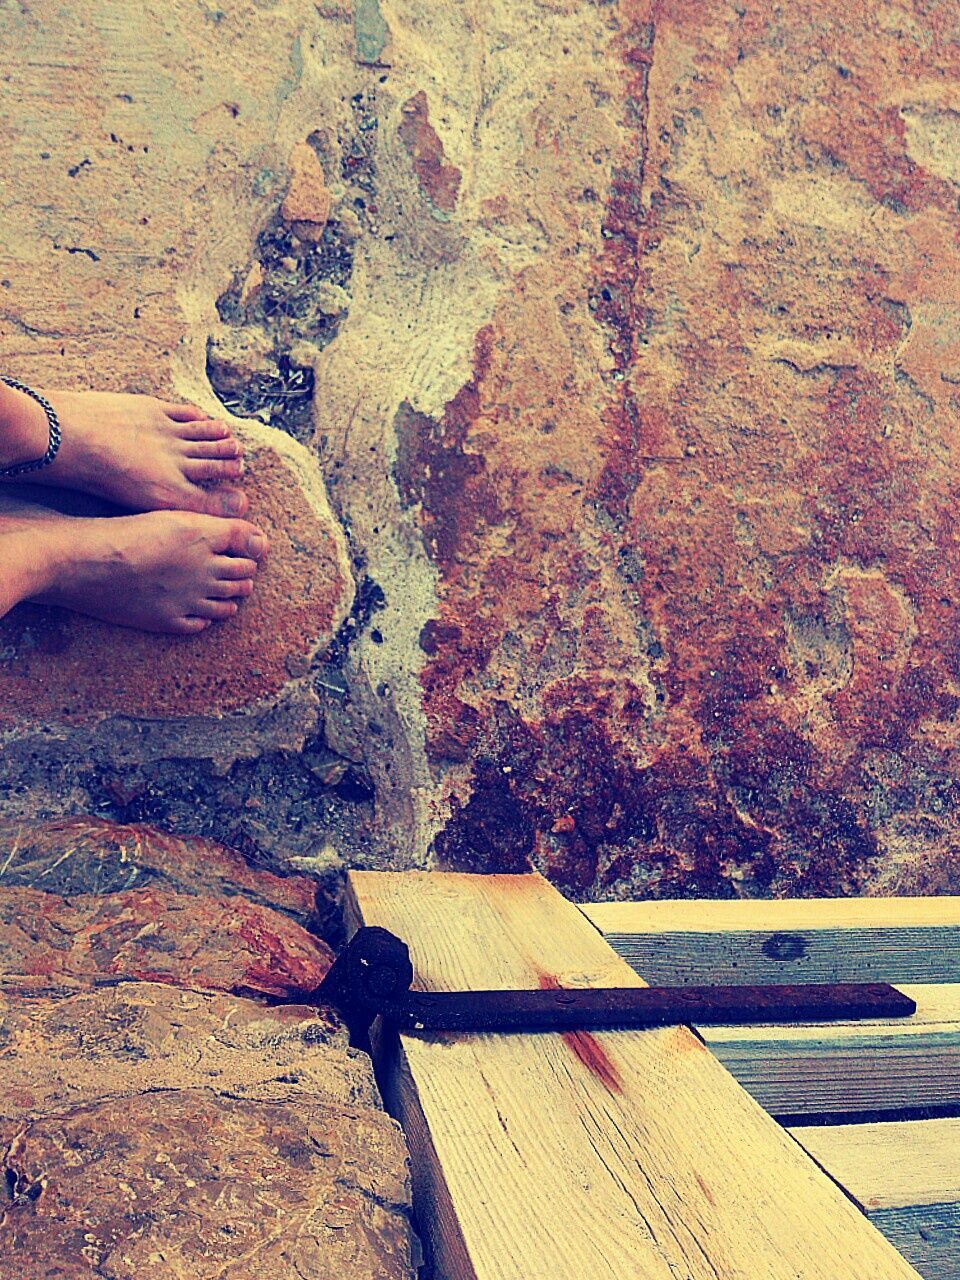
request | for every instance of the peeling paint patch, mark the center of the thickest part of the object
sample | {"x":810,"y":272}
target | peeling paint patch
{"x":370,"y":30}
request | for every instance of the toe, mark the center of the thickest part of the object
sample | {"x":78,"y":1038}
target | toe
{"x":203,"y":470}
{"x":189,"y":626}
{"x":222,"y":501}
{"x":216,"y":609}
{"x":224,"y":448}
{"x":182,"y":412}
{"x":241,"y":538}
{"x":233,"y":568}
{"x":204,"y":429}
{"x":224,"y":589}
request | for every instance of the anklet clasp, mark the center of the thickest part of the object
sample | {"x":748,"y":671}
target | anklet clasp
{"x":22,"y":467}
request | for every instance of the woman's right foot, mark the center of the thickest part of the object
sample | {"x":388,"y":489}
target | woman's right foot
{"x":168,"y":571}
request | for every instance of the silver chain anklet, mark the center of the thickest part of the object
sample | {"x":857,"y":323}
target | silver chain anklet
{"x":21,"y":467}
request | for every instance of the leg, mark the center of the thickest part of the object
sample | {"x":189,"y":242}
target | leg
{"x":23,"y":574}
{"x":168,"y":571}
{"x":142,"y":453}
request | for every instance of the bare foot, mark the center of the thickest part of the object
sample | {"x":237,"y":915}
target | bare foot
{"x":139,"y":452}
{"x":166,"y":571}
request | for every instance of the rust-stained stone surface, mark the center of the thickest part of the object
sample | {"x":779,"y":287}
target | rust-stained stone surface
{"x":631,"y":341}
{"x":86,"y":903}
{"x":94,"y":856}
{"x":692,"y":509}
{"x":154,"y":1133}
{"x":92,"y":939}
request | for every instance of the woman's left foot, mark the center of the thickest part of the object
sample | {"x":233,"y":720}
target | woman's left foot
{"x":143,"y":453}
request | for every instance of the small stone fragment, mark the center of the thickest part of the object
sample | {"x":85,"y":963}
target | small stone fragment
{"x":350,"y":225}
{"x":235,"y":355}
{"x":307,"y":198}
{"x":331,"y":299}
{"x":251,"y":284}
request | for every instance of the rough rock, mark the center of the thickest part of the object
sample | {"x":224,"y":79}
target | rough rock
{"x":142,"y":1036}
{"x":58,"y":667}
{"x":86,"y":902}
{"x":93,"y":856}
{"x":639,"y":424}
{"x":228,"y":944}
{"x":157,"y":1133}
{"x":171,"y":1127}
{"x":682,"y":461}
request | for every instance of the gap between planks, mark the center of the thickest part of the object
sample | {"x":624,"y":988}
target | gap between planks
{"x":629,"y":1154}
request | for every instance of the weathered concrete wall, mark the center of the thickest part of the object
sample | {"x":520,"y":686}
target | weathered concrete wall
{"x":629,"y":331}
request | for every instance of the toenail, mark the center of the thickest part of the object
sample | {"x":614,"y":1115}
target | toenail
{"x":256,"y":545}
{"x":233,"y":503}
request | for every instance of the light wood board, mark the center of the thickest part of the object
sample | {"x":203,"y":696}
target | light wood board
{"x":630,"y":1155}
{"x":906,"y":1178}
{"x":787,"y":940}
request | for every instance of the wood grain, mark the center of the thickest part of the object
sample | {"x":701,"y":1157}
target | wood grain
{"x":858,"y":1066}
{"x":789,"y":940}
{"x":872,"y":1064}
{"x":628,"y":1154}
{"x":906,"y":1178}
{"x":889,"y":1166}
{"x":830,"y":1067}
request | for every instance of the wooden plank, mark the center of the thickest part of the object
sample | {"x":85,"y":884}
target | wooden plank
{"x":820,"y":1068}
{"x":906,"y":1178}
{"x":628,"y":1154}
{"x":787,"y":940}
{"x":823,"y":1068}
{"x":889,"y":1166}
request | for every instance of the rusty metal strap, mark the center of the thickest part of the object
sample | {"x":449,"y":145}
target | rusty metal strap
{"x":373,"y":977}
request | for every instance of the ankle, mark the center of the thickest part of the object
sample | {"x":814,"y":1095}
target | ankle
{"x":24,"y":430}
{"x":34,"y":560}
